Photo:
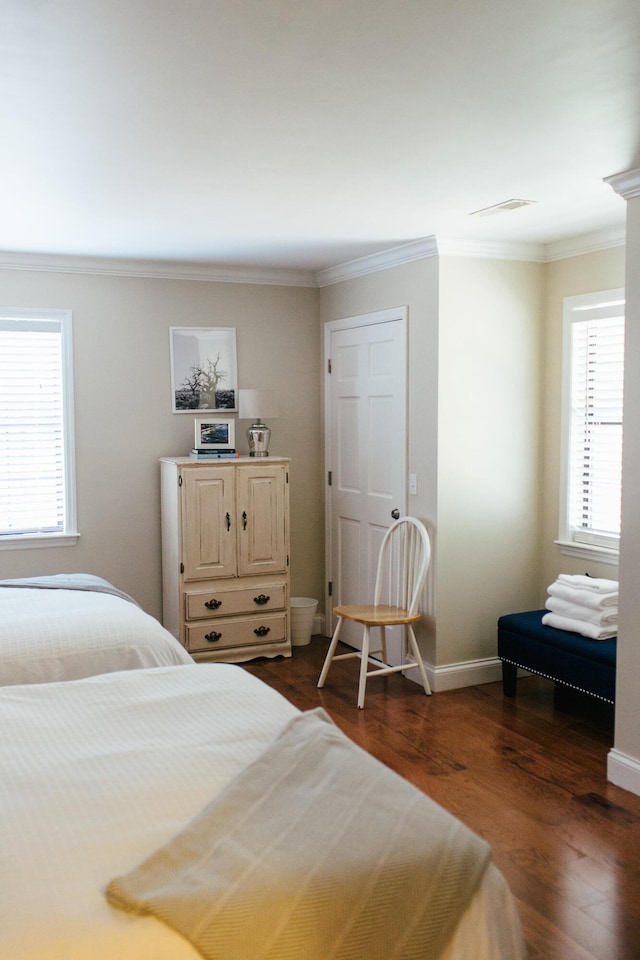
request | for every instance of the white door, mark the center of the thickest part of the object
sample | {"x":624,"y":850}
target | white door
{"x":366,"y":451}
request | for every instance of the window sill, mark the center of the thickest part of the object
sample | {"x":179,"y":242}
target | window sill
{"x":587,"y":551}
{"x":26,"y":541}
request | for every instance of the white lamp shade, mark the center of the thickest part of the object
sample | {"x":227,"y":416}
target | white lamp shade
{"x":257,"y":404}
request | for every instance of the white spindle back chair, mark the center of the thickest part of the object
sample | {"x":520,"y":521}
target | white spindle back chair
{"x":403,"y":563}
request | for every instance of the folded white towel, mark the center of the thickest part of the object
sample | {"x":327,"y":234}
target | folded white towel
{"x":578,"y":626}
{"x":599,"y":618}
{"x":596,"y":584}
{"x":590,"y":599}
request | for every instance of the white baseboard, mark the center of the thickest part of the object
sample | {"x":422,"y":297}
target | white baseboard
{"x":623,"y":771}
{"x":453,"y":676}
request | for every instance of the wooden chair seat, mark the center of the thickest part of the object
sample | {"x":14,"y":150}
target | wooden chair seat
{"x":375,"y":616}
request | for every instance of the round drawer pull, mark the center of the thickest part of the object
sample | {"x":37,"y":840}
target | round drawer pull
{"x":262,"y":631}
{"x":261,"y":600}
{"x":213,"y":604}
{"x":213,"y":636}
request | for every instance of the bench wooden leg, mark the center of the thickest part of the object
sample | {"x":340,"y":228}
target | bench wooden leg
{"x":509,"y":677}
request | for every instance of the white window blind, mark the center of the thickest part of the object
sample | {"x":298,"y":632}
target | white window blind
{"x":594,"y":336}
{"x":36,"y":449}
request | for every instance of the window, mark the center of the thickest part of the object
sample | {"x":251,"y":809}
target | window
{"x":37,"y":487}
{"x":593,"y":356}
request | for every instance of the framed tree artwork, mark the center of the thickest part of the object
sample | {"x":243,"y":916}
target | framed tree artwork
{"x":204,"y":369}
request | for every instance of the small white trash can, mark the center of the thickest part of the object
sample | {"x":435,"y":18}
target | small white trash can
{"x":303,"y":610}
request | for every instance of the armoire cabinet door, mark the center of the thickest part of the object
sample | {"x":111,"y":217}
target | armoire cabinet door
{"x":260,"y":499}
{"x":209,"y":524}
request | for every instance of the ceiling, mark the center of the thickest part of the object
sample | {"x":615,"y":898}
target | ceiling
{"x":304,"y":134}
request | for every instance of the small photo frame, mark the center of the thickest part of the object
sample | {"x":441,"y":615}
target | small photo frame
{"x":213,"y":434}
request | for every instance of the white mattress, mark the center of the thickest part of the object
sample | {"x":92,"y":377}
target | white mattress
{"x":48,"y":635}
{"x":98,"y":773}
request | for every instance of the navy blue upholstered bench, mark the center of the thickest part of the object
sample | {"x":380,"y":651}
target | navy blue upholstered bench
{"x":564,"y":657}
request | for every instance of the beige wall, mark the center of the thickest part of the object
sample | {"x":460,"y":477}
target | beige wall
{"x":488,"y":450}
{"x":474,"y":360}
{"x":588,"y":273}
{"x":483,"y":406}
{"x":124,"y":421}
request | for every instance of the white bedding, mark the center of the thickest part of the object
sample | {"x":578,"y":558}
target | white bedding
{"x":53,"y":634}
{"x":98,"y":773}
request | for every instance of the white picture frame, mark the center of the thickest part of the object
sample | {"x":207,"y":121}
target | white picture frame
{"x":214,"y":434}
{"x":204,"y":369}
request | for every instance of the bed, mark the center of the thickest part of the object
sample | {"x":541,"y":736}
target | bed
{"x":68,"y":626}
{"x":100,"y":773}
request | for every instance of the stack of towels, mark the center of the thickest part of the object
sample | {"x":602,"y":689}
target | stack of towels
{"x":585,"y":605}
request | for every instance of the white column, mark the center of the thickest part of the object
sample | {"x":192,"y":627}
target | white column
{"x":623,"y":766}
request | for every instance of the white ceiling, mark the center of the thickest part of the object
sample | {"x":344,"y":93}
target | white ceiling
{"x":307,"y":133}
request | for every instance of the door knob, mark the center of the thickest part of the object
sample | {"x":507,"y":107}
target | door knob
{"x":395,"y":514}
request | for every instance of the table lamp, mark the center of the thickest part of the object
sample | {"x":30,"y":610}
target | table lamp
{"x":257,"y":405}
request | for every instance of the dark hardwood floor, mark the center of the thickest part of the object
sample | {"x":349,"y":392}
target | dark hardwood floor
{"x":529,"y":775}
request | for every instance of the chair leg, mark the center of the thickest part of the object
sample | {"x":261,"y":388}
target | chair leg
{"x":383,"y":632}
{"x":364,"y":663}
{"x":413,"y":643}
{"x":330,"y":652}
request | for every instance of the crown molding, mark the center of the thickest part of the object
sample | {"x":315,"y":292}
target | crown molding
{"x":491,"y":250}
{"x":156,"y":269}
{"x":586,"y":243}
{"x":429,"y":247}
{"x":422,"y":249}
{"x":393,"y":257}
{"x":627,"y":183}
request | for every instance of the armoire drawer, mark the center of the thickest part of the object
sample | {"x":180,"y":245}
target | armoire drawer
{"x":225,"y":602}
{"x":247,"y":632}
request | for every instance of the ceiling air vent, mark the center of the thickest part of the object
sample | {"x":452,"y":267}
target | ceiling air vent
{"x":501,"y":207}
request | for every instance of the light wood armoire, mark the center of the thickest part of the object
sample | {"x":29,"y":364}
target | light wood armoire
{"x":225,"y":556}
